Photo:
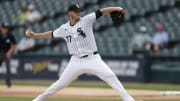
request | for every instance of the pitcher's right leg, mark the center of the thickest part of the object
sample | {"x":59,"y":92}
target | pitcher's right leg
{"x":70,"y":73}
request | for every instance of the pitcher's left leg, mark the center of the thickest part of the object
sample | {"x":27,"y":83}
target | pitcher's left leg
{"x":105,"y":73}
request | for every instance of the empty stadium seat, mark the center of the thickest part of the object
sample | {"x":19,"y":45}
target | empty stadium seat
{"x":110,"y":40}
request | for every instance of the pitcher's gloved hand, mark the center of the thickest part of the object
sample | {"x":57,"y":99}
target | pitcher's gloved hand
{"x":118,"y":17}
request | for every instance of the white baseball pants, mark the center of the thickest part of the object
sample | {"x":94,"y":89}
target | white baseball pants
{"x":92,"y":65}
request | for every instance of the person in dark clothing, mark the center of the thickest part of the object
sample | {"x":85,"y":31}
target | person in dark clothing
{"x":7,"y":46}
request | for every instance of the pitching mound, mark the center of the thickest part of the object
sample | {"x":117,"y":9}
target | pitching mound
{"x":32,"y":91}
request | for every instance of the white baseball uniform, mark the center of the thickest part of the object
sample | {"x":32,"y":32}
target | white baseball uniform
{"x":85,"y":59}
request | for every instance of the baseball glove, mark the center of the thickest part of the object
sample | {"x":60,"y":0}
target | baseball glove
{"x":117,"y":17}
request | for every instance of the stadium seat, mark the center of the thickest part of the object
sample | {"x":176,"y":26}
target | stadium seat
{"x":108,"y":38}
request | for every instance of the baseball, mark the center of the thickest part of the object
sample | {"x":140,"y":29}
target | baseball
{"x":28,"y":33}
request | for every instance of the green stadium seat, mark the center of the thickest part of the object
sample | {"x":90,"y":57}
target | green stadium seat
{"x":109,"y":38}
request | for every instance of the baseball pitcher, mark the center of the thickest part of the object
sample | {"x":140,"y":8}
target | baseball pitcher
{"x":78,"y":34}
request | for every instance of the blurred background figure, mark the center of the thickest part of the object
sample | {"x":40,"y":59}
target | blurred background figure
{"x":22,"y":17}
{"x":33,"y":15}
{"x":160,"y":39}
{"x":7,"y":46}
{"x":142,"y":39}
{"x":26,"y":44}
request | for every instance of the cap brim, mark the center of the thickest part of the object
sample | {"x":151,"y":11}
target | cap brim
{"x":78,"y":9}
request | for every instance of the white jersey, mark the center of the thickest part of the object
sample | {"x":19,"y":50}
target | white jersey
{"x":79,"y":37}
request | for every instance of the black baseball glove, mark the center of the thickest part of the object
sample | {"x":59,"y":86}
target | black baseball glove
{"x":117,"y":17}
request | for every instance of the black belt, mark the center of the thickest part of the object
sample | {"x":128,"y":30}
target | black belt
{"x":85,"y":56}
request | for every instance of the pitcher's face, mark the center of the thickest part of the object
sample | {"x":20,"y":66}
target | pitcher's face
{"x":74,"y":14}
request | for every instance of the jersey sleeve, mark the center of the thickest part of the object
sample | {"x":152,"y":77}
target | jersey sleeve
{"x":90,"y":18}
{"x":93,"y":16}
{"x":57,"y":33}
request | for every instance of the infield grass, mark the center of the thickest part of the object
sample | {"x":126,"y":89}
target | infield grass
{"x":97,"y":84}
{"x":65,"y":99}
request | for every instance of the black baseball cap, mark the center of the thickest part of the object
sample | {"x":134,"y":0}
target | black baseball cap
{"x":74,"y":7}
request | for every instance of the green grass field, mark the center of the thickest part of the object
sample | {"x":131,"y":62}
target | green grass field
{"x":99,"y":84}
{"x":63,"y":99}
{"x":90,"y":84}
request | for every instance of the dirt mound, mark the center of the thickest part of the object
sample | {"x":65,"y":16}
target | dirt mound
{"x":32,"y":91}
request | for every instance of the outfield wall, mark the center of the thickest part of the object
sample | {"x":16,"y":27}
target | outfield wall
{"x":127,"y":68}
{"x":137,"y":68}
